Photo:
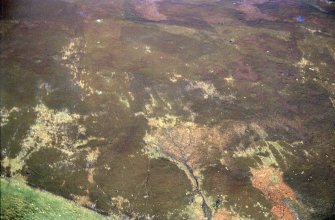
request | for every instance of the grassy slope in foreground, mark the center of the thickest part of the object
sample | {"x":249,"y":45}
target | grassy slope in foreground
{"x":19,"y":201}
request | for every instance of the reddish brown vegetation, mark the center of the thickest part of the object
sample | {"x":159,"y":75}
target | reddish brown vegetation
{"x":244,"y":71}
{"x":188,"y":143}
{"x":148,"y":9}
{"x":270,"y":182}
{"x":252,"y":12}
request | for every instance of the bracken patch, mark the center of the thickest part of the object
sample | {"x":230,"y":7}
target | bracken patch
{"x":270,"y":181}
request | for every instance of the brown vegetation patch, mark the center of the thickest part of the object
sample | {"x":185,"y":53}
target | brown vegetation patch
{"x":270,"y":181}
{"x":244,"y":71}
{"x":83,"y":200}
{"x":187,"y":142}
{"x":148,"y":9}
{"x":191,"y":143}
{"x":223,"y":214}
{"x":252,"y":12}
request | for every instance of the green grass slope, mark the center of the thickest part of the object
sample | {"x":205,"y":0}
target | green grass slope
{"x":19,"y":201}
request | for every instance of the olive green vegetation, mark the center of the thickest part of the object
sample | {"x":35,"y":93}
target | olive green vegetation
{"x":19,"y":201}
